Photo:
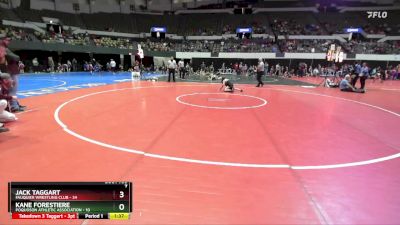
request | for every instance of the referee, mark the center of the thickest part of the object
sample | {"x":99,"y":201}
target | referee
{"x":364,"y":74}
{"x":171,"y":64}
{"x":260,"y":72}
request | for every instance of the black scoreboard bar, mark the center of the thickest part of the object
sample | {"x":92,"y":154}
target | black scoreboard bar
{"x":70,"y":200}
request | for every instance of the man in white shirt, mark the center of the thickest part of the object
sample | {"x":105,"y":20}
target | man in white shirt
{"x":171,"y":65}
{"x":260,"y":72}
{"x":181,"y":66}
{"x":277,"y":70}
{"x":113,"y":65}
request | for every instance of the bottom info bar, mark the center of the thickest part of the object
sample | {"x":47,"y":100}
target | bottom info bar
{"x":49,"y":216}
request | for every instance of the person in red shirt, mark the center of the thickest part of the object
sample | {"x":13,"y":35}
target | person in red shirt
{"x":236,"y":67}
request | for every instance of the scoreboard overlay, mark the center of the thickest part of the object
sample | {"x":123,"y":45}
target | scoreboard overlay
{"x":70,"y":200}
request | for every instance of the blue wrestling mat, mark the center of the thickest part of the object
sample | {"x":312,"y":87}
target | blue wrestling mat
{"x":31,"y":84}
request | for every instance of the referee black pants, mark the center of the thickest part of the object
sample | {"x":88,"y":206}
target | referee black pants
{"x":362,"y":81}
{"x":259,"y":76}
{"x":182,"y":73}
{"x":354,"y":80}
{"x":171,"y":72}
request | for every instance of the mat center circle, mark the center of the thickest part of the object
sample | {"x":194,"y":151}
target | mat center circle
{"x":221,"y":101}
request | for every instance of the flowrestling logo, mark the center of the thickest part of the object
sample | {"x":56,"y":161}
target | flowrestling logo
{"x":377,"y":14}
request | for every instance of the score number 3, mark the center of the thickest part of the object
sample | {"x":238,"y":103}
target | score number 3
{"x":121,"y":195}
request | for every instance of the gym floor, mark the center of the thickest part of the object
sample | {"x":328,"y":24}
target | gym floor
{"x":280,"y":154}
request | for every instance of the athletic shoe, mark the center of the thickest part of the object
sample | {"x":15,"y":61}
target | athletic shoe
{"x":19,"y":109}
{"x":3,"y":129}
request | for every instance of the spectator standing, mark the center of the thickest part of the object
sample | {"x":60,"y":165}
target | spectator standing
{"x":203,"y":67}
{"x":113,"y":65}
{"x":277,"y":70}
{"x":69,"y":66}
{"x":50,"y":63}
{"x":181,"y":66}
{"x":187,"y":69}
{"x":21,"y":67}
{"x":244,"y":70}
{"x":212,"y":67}
{"x":74,"y":64}
{"x":85,"y":66}
{"x":398,"y":72}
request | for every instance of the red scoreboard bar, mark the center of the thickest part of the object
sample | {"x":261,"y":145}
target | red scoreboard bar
{"x":70,"y":200}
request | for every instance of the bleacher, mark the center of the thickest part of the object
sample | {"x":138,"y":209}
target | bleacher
{"x":207,"y":24}
{"x":280,"y":23}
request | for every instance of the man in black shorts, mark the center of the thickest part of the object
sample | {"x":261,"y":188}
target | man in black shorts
{"x":228,"y":85}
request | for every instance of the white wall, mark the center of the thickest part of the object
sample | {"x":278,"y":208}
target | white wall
{"x":15,"y":3}
{"x":64,"y":6}
{"x":3,"y":5}
{"x":247,"y":55}
{"x":269,"y":55}
{"x":159,"y":5}
{"x":125,"y":8}
{"x":189,"y":55}
{"x":42,"y":4}
{"x":83,"y":6}
{"x":373,"y":1}
{"x":377,"y":57}
{"x":305,"y":55}
{"x":110,"y":6}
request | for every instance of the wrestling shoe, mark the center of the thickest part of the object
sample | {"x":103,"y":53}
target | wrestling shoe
{"x":19,"y":109}
{"x":3,"y":129}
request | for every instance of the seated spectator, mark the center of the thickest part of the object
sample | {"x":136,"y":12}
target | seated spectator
{"x":3,"y":105}
{"x":5,"y":84}
{"x":346,"y":86}
{"x":21,"y":67}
